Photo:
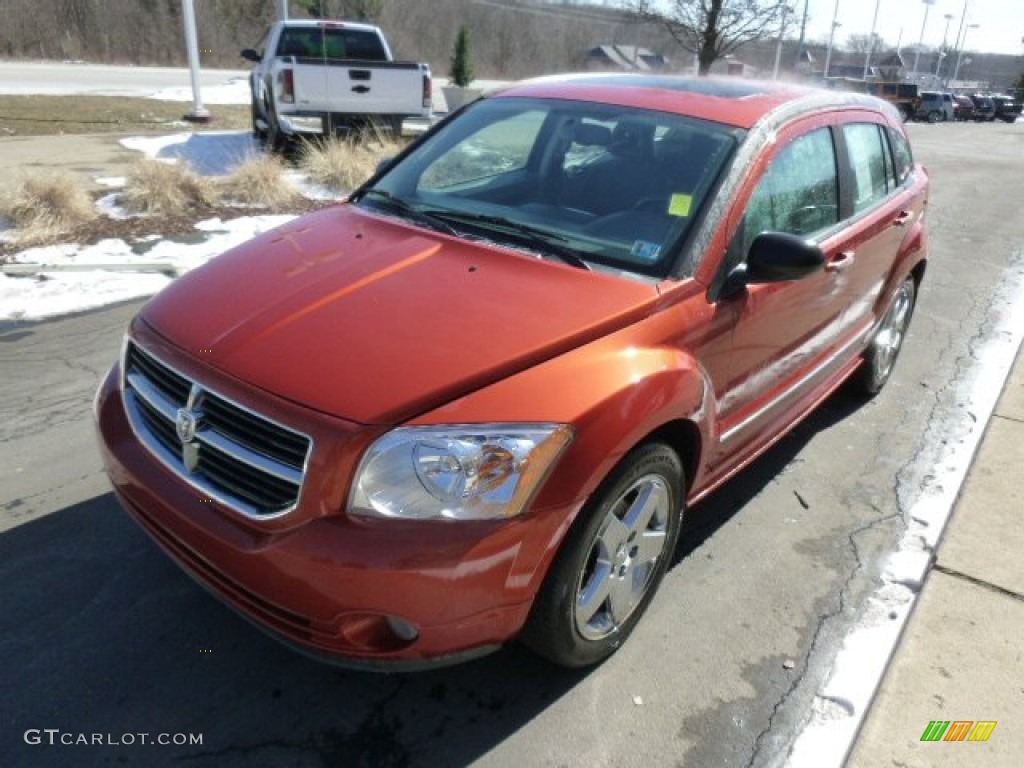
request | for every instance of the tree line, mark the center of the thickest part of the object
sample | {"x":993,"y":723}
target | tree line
{"x":510,"y":38}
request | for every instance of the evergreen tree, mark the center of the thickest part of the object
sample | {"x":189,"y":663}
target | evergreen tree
{"x":462,"y":67}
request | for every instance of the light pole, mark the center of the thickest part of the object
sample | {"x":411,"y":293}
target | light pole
{"x":199,"y":113}
{"x":871,"y":40}
{"x":828,"y":53}
{"x":942,"y":51}
{"x":960,"y":54}
{"x":920,"y":40}
{"x":831,"y":37}
{"x":778,"y":43}
{"x":959,"y":33}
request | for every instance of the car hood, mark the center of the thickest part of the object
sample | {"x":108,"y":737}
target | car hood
{"x":374,"y":320}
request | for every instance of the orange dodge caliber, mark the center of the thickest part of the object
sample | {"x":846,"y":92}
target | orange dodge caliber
{"x":472,"y":402}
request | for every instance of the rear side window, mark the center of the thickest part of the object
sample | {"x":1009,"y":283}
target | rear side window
{"x":901,"y":154}
{"x":867,"y":149}
{"x":339,"y":43}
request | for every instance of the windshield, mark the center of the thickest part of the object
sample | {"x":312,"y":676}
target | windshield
{"x":574,"y":181}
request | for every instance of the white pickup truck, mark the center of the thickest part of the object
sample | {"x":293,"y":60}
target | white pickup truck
{"x":330,"y":77}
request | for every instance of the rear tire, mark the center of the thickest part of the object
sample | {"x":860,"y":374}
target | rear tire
{"x":881,"y":354}
{"x":611,"y":562}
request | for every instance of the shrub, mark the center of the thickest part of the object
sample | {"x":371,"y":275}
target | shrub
{"x":165,"y":189}
{"x":258,"y":181}
{"x":343,"y":164}
{"x":462,"y":65}
{"x":45,"y":207}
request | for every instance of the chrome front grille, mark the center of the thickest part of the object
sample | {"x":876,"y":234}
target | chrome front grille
{"x":242,"y":459}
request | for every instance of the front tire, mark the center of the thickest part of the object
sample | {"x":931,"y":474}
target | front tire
{"x":612,"y":561}
{"x":880,"y":356}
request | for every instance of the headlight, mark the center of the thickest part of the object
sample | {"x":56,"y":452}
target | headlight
{"x":472,"y":472}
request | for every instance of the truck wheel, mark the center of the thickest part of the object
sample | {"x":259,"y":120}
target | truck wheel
{"x":395,"y":124}
{"x":611,"y":562}
{"x":906,"y":113}
{"x":257,"y":131}
{"x":273,"y":139}
{"x":933,"y":116}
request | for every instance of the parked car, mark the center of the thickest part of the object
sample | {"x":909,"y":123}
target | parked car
{"x":1006,"y":107}
{"x":963,"y":108}
{"x":319,"y":78}
{"x":984,"y":108}
{"x":935,"y":107}
{"x":472,"y":402}
{"x":903,"y":96}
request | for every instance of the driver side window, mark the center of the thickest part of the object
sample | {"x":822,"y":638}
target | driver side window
{"x":799,"y":192}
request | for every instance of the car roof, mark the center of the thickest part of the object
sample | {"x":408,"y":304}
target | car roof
{"x":729,"y":100}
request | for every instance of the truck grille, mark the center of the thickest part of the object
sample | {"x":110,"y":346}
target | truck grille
{"x":241,"y":459}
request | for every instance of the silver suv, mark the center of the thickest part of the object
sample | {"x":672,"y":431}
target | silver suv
{"x":935,"y":107}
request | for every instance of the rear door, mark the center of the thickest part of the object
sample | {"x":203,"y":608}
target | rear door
{"x":882,"y":205}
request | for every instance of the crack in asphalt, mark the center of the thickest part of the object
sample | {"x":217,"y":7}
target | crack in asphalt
{"x":822,"y":621}
{"x":908,"y":485}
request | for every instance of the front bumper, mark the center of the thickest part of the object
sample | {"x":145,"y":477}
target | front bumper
{"x":327,"y":584}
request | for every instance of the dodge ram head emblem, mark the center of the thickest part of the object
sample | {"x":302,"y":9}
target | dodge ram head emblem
{"x":185,"y":425}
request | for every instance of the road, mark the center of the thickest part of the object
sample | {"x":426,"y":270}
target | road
{"x":66,"y":77}
{"x":101,"y":634}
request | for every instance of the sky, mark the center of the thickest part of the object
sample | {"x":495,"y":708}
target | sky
{"x":1001,"y":22}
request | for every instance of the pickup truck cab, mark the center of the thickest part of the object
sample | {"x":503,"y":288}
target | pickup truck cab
{"x":325,"y":77}
{"x":472,"y":402}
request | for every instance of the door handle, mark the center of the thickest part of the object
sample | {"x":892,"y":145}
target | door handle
{"x":903,"y":218}
{"x":840,"y":261}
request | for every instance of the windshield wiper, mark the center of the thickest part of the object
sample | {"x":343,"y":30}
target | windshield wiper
{"x":401,"y":207}
{"x":537,"y":239}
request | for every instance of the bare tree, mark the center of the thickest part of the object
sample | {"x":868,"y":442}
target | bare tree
{"x":712,"y":29}
{"x":863,"y":43}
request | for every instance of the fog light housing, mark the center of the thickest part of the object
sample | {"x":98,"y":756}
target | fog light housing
{"x":403,"y":630}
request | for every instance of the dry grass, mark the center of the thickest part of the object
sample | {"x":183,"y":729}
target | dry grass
{"x":43,"y":208}
{"x":341,"y":165}
{"x":165,"y":189}
{"x":258,"y":181}
{"x":43,"y":115}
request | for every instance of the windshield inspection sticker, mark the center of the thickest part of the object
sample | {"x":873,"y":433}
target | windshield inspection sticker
{"x":646,"y":251}
{"x":679,"y":205}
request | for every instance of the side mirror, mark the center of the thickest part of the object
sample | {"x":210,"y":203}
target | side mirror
{"x":383,"y":165}
{"x":250,"y":55}
{"x":775,"y":257}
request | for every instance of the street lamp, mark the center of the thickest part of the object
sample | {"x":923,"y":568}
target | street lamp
{"x":963,"y":44}
{"x":871,"y":40}
{"x":942,"y":51}
{"x":920,"y":40}
{"x":831,"y":37}
{"x":778,"y":43}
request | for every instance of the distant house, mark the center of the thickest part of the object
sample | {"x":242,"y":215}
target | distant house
{"x":624,"y":58}
{"x":887,"y":66}
{"x":890,"y":67}
{"x":730,"y":65}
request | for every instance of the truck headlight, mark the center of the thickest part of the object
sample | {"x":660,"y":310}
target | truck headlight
{"x":470,"y":472}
